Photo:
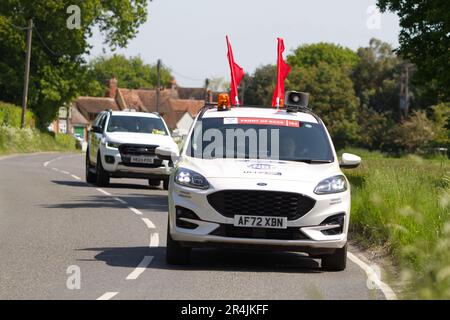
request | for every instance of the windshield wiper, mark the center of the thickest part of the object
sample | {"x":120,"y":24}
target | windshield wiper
{"x":312,"y":160}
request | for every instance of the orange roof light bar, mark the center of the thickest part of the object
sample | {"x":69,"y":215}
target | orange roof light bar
{"x":223,"y":102}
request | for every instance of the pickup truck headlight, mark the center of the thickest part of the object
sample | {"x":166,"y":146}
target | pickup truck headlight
{"x":192,"y":179}
{"x":111,"y":144}
{"x":331,"y":185}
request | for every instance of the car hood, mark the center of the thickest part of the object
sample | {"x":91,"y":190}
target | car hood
{"x":140,"y":138}
{"x":257,"y":169}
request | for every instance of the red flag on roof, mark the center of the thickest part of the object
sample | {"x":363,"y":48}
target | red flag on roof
{"x":283,"y":70}
{"x":237,"y":73}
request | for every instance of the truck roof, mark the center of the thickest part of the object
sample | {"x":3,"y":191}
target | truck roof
{"x":134,"y":114}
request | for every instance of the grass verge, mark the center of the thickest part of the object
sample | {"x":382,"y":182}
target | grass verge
{"x":403,"y":204}
{"x":16,"y":140}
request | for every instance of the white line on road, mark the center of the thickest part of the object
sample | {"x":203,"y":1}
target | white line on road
{"x":154,"y":240}
{"x":140,"y":268}
{"x":120,"y":200}
{"x":103,"y":191}
{"x":107,"y":296}
{"x":372,"y":276}
{"x":65,"y":172}
{"x":55,"y":169}
{"x":136,"y":211}
{"x":75,"y":177}
{"x":148,"y":223}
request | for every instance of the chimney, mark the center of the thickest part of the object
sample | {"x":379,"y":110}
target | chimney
{"x":112,"y":87}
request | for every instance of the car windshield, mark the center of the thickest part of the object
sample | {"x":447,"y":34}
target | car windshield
{"x":289,"y":140}
{"x":136,"y":124}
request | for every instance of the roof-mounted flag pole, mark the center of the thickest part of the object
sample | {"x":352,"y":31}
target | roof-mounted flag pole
{"x":283,"y":70}
{"x":237,"y":73}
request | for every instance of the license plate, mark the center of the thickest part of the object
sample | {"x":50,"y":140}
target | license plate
{"x":146,"y":160}
{"x":260,"y":222}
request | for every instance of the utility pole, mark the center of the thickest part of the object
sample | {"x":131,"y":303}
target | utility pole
{"x":206,"y":89}
{"x":158,"y":83}
{"x":27,"y":72}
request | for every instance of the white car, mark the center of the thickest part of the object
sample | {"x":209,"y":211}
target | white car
{"x":236,"y":197}
{"x":121,"y":144}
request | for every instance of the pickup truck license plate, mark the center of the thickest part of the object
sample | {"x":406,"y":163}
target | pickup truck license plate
{"x":145,"y":160}
{"x":260,"y":222}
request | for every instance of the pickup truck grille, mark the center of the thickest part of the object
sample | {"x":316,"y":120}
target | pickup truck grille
{"x":130,"y":150}
{"x":261,"y":203}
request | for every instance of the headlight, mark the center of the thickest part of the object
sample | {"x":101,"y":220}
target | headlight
{"x":111,"y":144}
{"x":189,"y":178}
{"x":331,"y":185}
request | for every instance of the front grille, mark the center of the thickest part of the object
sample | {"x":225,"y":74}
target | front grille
{"x":137,"y":149}
{"x":228,"y":230}
{"x":129,"y":150}
{"x":261,"y":203}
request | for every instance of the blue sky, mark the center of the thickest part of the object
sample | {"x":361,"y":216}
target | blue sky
{"x":189,"y":35}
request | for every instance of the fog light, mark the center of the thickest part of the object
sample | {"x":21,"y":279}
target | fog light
{"x":181,"y":212}
{"x":338,"y":220}
{"x":109,"y":159}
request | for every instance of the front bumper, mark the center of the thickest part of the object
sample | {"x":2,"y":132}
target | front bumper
{"x":118,"y":169}
{"x":210,"y":221}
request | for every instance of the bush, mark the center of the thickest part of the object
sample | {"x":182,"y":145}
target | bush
{"x":11,"y":115}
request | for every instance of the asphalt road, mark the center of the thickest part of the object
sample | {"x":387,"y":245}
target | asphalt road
{"x":53,"y":224}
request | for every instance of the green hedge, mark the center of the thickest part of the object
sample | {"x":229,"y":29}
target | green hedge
{"x":11,"y":115}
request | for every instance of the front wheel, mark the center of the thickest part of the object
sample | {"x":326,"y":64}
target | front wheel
{"x":175,"y":253}
{"x":102,"y":175}
{"x":336,"y":261}
{"x":90,"y":176}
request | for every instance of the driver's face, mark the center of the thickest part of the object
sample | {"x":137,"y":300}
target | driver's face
{"x":287,"y":147}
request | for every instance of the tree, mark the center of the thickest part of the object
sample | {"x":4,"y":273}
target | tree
{"x":259,"y":86}
{"x":424,"y":40}
{"x":58,"y":70}
{"x":131,"y":72}
{"x":376,"y":77}
{"x":324,"y":70}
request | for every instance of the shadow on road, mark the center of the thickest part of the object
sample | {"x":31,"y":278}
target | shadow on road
{"x":155,"y":203}
{"x":211,"y":259}
{"x":111,"y":185}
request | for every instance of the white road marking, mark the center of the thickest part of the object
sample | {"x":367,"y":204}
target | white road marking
{"x":140,"y":268}
{"x":148,"y":223}
{"x":372,"y":276}
{"x":103,"y":191}
{"x":75,"y":177}
{"x":55,"y":169}
{"x":154,"y":240}
{"x":107,"y":296}
{"x":136,"y":211}
{"x":65,"y":172}
{"x":120,"y":200}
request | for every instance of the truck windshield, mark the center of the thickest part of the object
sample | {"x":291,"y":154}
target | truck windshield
{"x":260,"y":139}
{"x":136,"y":125}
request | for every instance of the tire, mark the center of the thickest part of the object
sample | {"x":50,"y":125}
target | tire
{"x":175,"y":253}
{"x":154,"y":183}
{"x":90,"y":176}
{"x":166,"y":184}
{"x":102,"y":175}
{"x":336,"y":261}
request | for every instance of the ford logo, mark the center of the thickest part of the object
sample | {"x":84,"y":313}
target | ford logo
{"x":261,"y":184}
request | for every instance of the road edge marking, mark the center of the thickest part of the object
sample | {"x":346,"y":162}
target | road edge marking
{"x":372,"y":276}
{"x":107,"y":295}
{"x":140,"y":268}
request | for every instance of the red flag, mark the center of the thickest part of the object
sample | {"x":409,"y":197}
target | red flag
{"x":283,"y":70}
{"x":237,"y":73}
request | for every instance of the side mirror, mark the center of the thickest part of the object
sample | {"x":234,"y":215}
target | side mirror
{"x":165,"y":153}
{"x":97,"y":129}
{"x":176,"y":134}
{"x":349,"y":161}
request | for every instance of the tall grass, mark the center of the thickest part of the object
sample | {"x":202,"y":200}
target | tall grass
{"x":403,"y":204}
{"x":16,"y":140}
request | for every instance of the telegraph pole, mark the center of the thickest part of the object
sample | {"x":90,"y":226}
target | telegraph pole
{"x":27,"y":72}
{"x":158,"y":83}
